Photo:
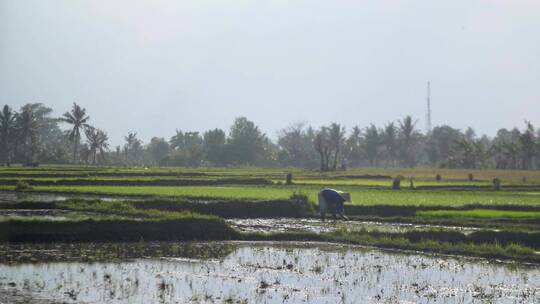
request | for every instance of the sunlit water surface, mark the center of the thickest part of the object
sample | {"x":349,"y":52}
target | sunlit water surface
{"x":276,"y":273}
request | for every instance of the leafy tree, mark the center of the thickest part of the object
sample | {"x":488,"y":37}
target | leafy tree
{"x":246,"y":143}
{"x":214,"y":147}
{"x":78,"y":120}
{"x":336,"y":135}
{"x":296,"y":146}
{"x":441,"y":141}
{"x":322,"y":145}
{"x":506,"y":149}
{"x":177,"y":141}
{"x":158,"y":147}
{"x":470,"y":134}
{"x":353,"y":147}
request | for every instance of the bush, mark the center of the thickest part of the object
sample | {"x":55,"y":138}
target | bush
{"x":22,"y":186}
{"x":288,"y":180}
{"x":396,"y":184}
{"x":496,"y":184}
{"x":299,"y":197}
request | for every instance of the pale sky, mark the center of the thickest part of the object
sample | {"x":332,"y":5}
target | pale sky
{"x":156,"y":66}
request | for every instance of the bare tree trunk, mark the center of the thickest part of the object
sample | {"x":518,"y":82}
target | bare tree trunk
{"x":75,"y":146}
{"x":335,"y":158}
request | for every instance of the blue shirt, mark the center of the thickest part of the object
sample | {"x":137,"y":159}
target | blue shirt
{"x":332,"y":196}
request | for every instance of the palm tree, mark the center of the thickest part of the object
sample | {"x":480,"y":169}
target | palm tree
{"x":78,"y":119}
{"x":177,"y":141}
{"x":408,"y":137}
{"x":528,"y":146}
{"x":353,"y":151}
{"x":27,"y":127}
{"x":133,"y":145}
{"x":97,"y":142}
{"x":7,"y":131}
{"x":390,"y":142}
{"x":372,"y":140}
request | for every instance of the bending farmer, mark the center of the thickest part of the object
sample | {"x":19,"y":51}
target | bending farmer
{"x":332,"y":201}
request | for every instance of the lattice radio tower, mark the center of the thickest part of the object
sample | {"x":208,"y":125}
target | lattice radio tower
{"x":428,"y":114}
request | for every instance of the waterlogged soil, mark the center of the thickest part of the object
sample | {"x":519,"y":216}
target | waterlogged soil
{"x":51,"y":215}
{"x":14,"y":197}
{"x":274,"y":273}
{"x":264,"y":225}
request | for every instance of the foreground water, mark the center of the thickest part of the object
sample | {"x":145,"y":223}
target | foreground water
{"x":266,"y":225}
{"x":273,"y":273}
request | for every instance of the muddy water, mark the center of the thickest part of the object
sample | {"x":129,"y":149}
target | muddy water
{"x":316,"y":225}
{"x":52,"y":215}
{"x":13,"y":197}
{"x":276,"y":273}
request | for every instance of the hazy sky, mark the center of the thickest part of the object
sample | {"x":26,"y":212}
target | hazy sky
{"x":156,"y":66}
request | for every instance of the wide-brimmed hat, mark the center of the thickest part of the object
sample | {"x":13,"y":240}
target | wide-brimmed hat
{"x":345,"y":195}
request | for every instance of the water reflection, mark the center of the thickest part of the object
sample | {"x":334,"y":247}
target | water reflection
{"x":316,"y":225}
{"x":273,"y":273}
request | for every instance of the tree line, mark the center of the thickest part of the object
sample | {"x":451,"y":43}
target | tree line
{"x":31,"y":136}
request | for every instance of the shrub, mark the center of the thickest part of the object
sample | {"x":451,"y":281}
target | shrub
{"x":299,"y":197}
{"x":496,"y":184}
{"x":301,"y":205}
{"x":396,"y":184}
{"x":22,"y":186}
{"x":288,"y":180}
{"x":411,"y":182}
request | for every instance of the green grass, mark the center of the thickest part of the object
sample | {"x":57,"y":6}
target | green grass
{"x":360,"y":196}
{"x":419,"y":174}
{"x":480,"y":214}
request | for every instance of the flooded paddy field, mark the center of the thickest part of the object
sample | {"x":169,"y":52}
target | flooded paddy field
{"x":276,"y":225}
{"x":13,"y":197}
{"x":265,"y":273}
{"x":53,"y":215}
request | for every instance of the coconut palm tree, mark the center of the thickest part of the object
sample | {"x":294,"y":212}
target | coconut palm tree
{"x":133,"y":145}
{"x":527,"y":146}
{"x":372,"y":140}
{"x":78,"y":119}
{"x":97,"y":142}
{"x":408,"y":137}
{"x":389,"y":139}
{"x":27,"y":128}
{"x":7,"y":132}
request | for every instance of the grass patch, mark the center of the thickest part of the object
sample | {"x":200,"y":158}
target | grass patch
{"x":479,"y":214}
{"x":360,"y":196}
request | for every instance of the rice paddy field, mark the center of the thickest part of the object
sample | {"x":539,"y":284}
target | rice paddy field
{"x":75,"y":234}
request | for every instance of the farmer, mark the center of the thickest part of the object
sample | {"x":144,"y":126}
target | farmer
{"x":332,"y":200}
